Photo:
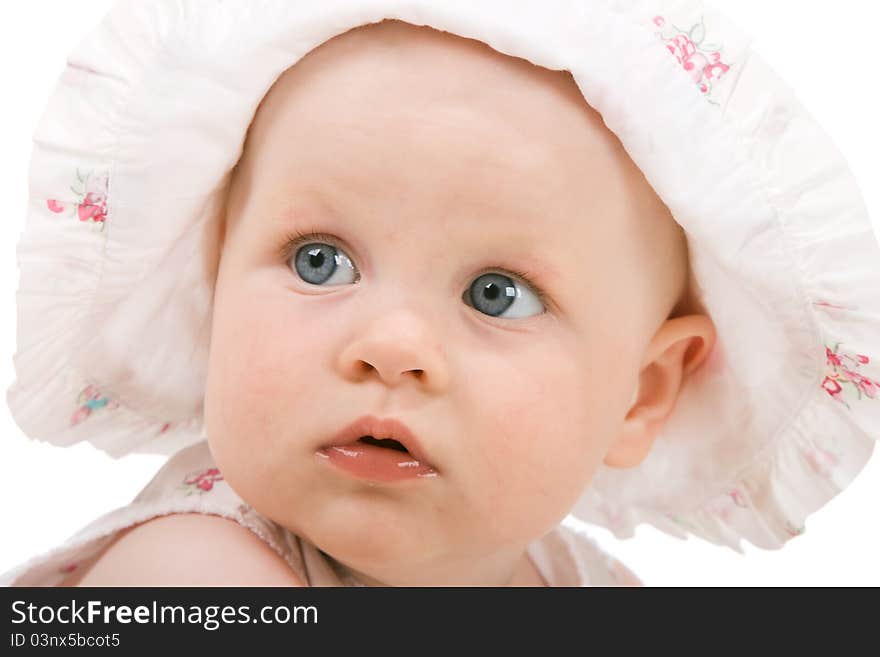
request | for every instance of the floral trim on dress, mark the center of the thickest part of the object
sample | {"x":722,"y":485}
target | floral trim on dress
{"x":843,"y":378}
{"x":201,"y":481}
{"x":91,"y":192}
{"x":702,"y":60}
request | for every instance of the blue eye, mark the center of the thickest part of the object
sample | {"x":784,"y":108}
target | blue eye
{"x":495,"y":294}
{"x":318,"y":263}
{"x":320,"y":260}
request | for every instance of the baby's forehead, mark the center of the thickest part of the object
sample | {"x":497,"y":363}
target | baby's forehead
{"x":392,"y":114}
{"x":400,"y":79}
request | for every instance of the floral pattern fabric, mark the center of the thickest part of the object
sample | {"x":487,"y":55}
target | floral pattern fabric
{"x":702,"y":60}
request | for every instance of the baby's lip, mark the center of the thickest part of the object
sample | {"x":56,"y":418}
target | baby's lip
{"x":369,"y":425}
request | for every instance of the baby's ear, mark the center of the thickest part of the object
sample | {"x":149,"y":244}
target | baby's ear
{"x":675,"y":351}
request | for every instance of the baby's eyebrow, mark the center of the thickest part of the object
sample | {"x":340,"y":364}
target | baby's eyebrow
{"x":308,"y":207}
{"x":538,"y":270}
{"x":316,"y":210}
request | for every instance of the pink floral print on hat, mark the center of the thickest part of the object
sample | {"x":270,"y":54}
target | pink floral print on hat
{"x":91,"y":190}
{"x":843,"y":377}
{"x":90,"y":400}
{"x":700,"y":59}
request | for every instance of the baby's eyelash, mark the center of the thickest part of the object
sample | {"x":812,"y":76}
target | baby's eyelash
{"x":295,"y":239}
{"x":526,"y":277}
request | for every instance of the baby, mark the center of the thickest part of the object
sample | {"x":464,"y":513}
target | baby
{"x":393,"y":186}
{"x":445,"y":298}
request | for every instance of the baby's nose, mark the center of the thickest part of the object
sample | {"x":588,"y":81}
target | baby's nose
{"x":396,"y":348}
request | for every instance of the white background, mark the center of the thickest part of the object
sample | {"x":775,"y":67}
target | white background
{"x":825,"y":50}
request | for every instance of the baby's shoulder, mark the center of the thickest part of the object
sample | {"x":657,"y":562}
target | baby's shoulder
{"x":186,"y":527}
{"x":186,"y":549}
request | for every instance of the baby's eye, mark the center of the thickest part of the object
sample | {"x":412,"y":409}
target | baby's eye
{"x":318,"y":263}
{"x":495,"y":294}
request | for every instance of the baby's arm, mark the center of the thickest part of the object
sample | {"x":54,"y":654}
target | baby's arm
{"x":187,"y":549}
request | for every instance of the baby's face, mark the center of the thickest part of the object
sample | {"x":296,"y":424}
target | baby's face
{"x":441,"y":171}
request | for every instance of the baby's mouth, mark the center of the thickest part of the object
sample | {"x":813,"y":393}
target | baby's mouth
{"x":377,"y":459}
{"x":388,"y":443}
{"x":378,"y":449}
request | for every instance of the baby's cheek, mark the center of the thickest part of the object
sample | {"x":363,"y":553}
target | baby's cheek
{"x":256,"y":385}
{"x":546,"y":439}
{"x":265,"y":373}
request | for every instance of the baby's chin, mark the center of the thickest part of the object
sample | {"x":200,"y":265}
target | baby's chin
{"x":392,"y":556}
{"x":369,"y":531}
{"x":396,"y":545}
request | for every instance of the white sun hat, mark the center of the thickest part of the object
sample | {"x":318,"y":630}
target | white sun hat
{"x":131,"y":163}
